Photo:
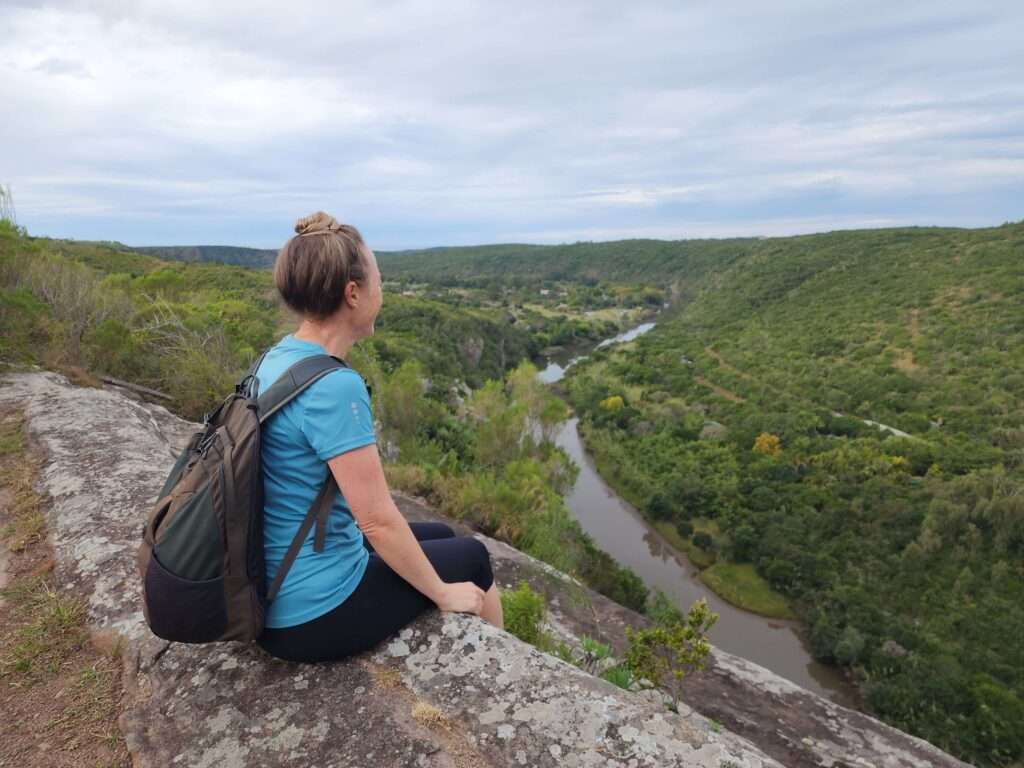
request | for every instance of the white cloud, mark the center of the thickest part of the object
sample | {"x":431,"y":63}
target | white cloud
{"x":435,"y":124}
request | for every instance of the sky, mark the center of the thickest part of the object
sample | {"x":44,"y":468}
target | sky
{"x":456,"y":123}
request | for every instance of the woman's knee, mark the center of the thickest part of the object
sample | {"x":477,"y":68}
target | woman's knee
{"x":484,"y":575}
{"x":429,"y":531}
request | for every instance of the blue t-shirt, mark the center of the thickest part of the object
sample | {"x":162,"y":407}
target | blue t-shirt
{"x":331,"y":417}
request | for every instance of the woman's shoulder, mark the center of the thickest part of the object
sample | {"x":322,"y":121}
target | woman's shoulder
{"x":288,"y":351}
{"x":339,"y":385}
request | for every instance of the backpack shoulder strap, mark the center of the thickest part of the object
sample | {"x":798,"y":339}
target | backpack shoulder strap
{"x":294,"y":381}
{"x":288,"y":386}
{"x":249,"y":383}
{"x":317,"y":515}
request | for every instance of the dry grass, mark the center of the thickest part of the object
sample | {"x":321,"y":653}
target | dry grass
{"x":384,"y":677}
{"x":60,"y":696}
{"x":430,"y":716}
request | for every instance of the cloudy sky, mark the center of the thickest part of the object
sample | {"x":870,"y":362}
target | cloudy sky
{"x":433,"y":123}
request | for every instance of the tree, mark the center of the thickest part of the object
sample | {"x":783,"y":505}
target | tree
{"x":612,"y":404}
{"x":768,"y":444}
{"x":703,"y":540}
{"x":744,"y":543}
{"x":500,"y":425}
{"x":73,"y":292}
{"x":400,"y":398}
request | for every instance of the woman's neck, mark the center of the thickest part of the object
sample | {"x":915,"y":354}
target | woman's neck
{"x":336,"y":338}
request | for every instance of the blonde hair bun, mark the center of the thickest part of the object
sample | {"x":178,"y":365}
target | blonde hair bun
{"x":318,"y":223}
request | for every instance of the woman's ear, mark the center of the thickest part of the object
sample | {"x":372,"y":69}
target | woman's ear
{"x":352,"y":293}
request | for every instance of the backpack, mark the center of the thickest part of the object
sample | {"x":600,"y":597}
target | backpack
{"x":201,"y":558}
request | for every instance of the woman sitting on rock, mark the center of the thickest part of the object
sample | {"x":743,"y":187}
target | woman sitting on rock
{"x":376,"y":572}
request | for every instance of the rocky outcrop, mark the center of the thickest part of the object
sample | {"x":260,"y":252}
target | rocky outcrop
{"x":472,"y":350}
{"x":450,"y":690}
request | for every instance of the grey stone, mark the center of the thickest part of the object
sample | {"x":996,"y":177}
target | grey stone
{"x":502,"y":702}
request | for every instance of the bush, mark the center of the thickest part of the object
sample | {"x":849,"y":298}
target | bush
{"x":703,"y":540}
{"x":662,"y":610}
{"x":666,"y":654}
{"x":685,"y":528}
{"x":524,"y":612}
{"x":619,"y":675}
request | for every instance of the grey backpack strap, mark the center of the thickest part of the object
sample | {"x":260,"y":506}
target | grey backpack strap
{"x":249,"y":383}
{"x":288,"y":386}
{"x":294,"y":381}
{"x":318,"y":513}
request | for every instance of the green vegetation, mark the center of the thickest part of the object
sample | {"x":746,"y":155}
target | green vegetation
{"x":256,"y":258}
{"x":737,"y":425}
{"x":903,"y":556}
{"x":190,"y":330}
{"x":671,"y":649}
{"x":54,"y":684}
{"x":524,"y":612}
{"x":493,"y":465}
{"x":741,"y":585}
{"x":681,"y":264}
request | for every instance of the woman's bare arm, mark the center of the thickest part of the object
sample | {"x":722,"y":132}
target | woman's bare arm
{"x":360,"y":477}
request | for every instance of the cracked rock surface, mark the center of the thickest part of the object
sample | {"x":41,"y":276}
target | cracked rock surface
{"x":449,"y":690}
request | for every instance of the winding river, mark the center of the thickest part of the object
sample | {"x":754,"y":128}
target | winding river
{"x":622,"y":532}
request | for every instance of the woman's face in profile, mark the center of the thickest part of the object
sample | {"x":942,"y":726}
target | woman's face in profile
{"x":373,"y":295}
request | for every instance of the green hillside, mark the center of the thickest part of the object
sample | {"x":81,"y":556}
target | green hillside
{"x":680,"y":264}
{"x":649,"y":262}
{"x":188,"y":328}
{"x":224,"y":254}
{"x":738,"y":424}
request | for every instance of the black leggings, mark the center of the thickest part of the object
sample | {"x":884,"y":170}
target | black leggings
{"x":383,"y":602}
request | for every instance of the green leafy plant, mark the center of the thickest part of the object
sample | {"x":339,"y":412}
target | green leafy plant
{"x":664,"y":654}
{"x":592,"y":653}
{"x":524,"y":612}
{"x":620,"y":675}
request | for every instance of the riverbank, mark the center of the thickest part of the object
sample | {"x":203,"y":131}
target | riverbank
{"x":620,"y":530}
{"x":736,"y":583}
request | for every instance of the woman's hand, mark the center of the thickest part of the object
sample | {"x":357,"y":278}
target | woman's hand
{"x":463,"y":597}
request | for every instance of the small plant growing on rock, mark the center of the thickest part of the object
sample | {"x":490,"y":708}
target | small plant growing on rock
{"x":593,"y":652}
{"x":524,"y":612}
{"x":429,"y":715}
{"x":619,"y":675}
{"x":666,"y":653}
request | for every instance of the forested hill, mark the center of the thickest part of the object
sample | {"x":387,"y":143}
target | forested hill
{"x":663,"y":262}
{"x":622,"y":261}
{"x":909,"y":327}
{"x":738,"y":426}
{"x":225,"y":254}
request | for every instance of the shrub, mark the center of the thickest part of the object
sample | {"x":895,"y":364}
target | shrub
{"x":619,"y":675}
{"x":703,"y":540}
{"x":666,"y":654}
{"x":524,"y":613}
{"x":662,"y":610}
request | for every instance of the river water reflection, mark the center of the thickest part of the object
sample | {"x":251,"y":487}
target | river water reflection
{"x":622,"y":532}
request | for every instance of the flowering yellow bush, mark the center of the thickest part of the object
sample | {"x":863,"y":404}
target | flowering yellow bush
{"x":768,"y":444}
{"x":613,"y":403}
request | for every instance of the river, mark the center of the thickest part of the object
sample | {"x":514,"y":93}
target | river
{"x":622,"y":532}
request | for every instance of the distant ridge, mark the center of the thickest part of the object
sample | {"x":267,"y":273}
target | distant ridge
{"x":626,"y":261}
{"x":225,"y":254}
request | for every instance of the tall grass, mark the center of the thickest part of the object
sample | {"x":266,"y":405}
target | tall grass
{"x":7,"y":212}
